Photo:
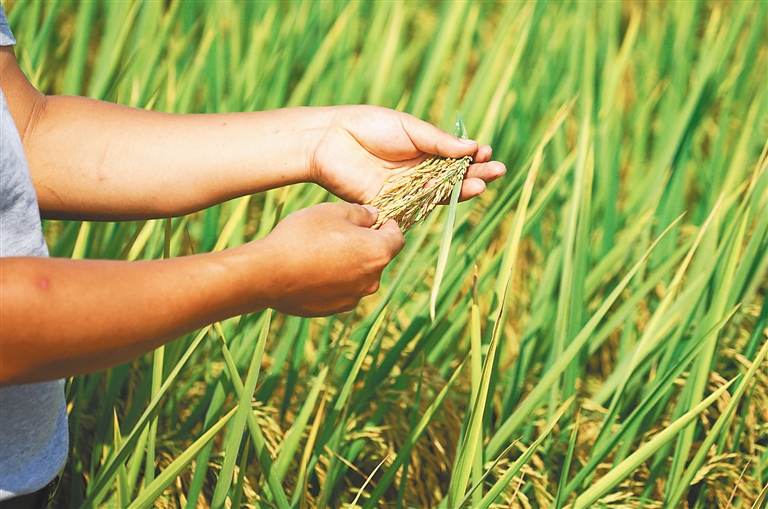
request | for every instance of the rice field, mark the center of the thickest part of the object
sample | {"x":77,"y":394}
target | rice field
{"x":601,"y":326}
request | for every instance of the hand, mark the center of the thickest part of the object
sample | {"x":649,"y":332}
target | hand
{"x":366,"y":145}
{"x":327,"y":258}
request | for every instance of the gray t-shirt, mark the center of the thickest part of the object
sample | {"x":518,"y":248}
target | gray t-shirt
{"x":33,"y":417}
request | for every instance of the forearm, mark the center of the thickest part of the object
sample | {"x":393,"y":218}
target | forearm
{"x":96,"y":160}
{"x":61,"y":317}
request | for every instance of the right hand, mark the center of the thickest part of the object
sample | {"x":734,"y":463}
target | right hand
{"x":364,"y":146}
{"x":328,"y":258}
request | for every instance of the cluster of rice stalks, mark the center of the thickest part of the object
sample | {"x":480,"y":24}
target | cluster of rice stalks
{"x":409,"y":198}
{"x":600,"y":334}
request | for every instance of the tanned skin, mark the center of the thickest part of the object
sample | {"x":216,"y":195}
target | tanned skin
{"x":93,"y":160}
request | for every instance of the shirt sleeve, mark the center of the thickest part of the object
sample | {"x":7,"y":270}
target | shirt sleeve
{"x":6,"y":36}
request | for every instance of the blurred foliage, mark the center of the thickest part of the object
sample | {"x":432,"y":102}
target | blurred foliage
{"x":575,"y":303}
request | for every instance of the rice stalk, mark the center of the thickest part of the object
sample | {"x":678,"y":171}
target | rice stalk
{"x":677,"y":120}
{"x":409,"y":198}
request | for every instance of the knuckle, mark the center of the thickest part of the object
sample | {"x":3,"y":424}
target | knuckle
{"x":400,"y":242}
{"x":372,"y":288}
{"x":393,"y":248}
{"x":381,"y":261}
{"x":348,"y":306}
{"x":327,"y":207}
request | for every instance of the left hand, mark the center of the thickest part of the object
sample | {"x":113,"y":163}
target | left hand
{"x":366,"y":145}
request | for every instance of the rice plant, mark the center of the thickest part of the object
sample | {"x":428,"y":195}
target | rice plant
{"x":409,"y":198}
{"x":600,"y":333}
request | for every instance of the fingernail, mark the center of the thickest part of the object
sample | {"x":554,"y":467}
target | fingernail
{"x":371,"y":209}
{"x":465,"y":141}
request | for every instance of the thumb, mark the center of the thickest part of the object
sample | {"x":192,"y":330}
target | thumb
{"x":432,"y":140}
{"x":362,"y":215}
{"x":393,"y":237}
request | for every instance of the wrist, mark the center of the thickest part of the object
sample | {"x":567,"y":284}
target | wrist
{"x":325,"y":120}
{"x":252,"y":276}
{"x":293,"y":137}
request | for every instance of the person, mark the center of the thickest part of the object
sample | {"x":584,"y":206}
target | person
{"x":82,"y":159}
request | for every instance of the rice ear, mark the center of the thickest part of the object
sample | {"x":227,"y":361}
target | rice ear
{"x":409,"y":198}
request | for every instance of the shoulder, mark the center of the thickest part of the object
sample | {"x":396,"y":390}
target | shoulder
{"x":6,"y":36}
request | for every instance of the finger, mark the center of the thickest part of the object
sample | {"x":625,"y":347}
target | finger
{"x":488,"y":172}
{"x":470,"y":188}
{"x":483,"y":154}
{"x":393,"y":237}
{"x":432,"y":140}
{"x":374,"y":212}
{"x":360,"y":215}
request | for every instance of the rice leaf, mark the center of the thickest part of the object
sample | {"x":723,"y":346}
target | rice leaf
{"x":620,"y":471}
{"x":244,"y":408}
{"x":412,"y":438}
{"x":561,"y":495}
{"x":504,"y":480}
{"x":167,"y":476}
{"x":529,"y":404}
{"x":259,"y":443}
{"x":109,"y":469}
{"x":445,"y":248}
{"x":712,"y":435}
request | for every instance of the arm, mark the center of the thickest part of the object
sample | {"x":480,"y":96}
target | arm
{"x":62,"y":317}
{"x":128,"y":163}
{"x":96,"y":160}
